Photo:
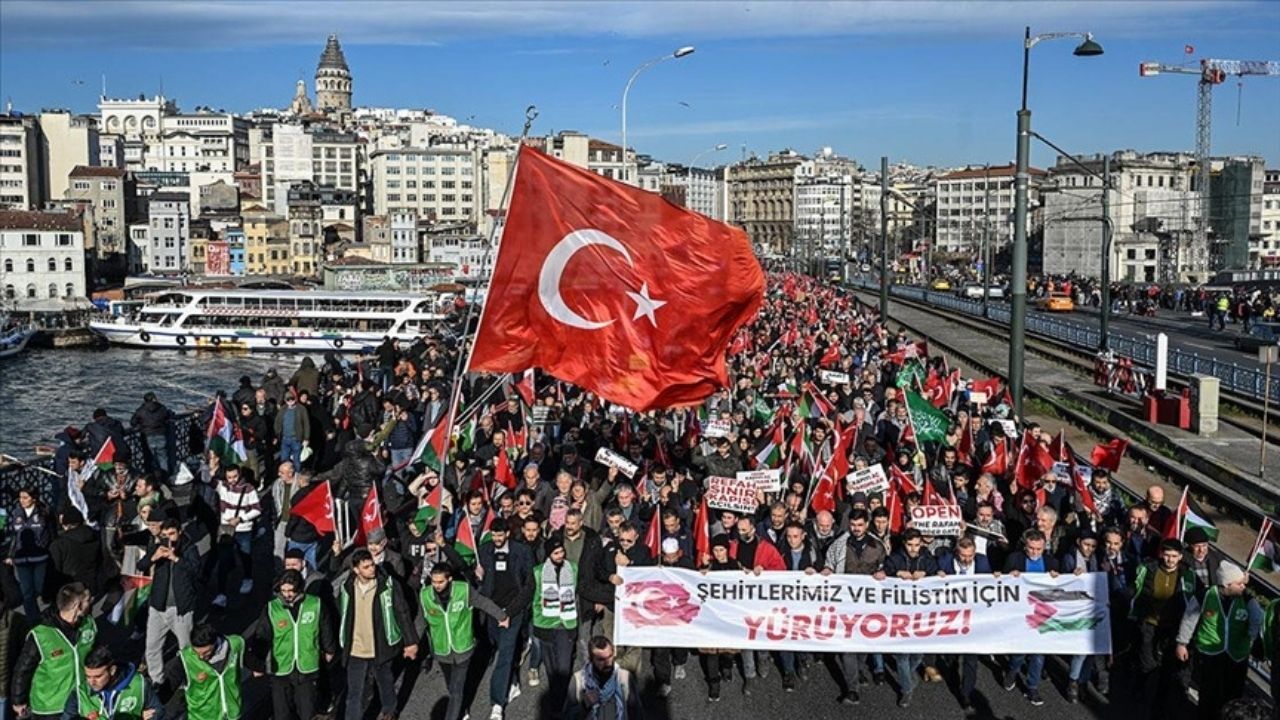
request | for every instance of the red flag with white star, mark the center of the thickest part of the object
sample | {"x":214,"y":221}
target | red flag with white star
{"x":614,"y":289}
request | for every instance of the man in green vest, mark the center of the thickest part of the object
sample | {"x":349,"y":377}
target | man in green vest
{"x":450,"y":608}
{"x":375,"y":626}
{"x":209,"y":670}
{"x":555,"y":615}
{"x":1221,"y":629}
{"x":297,"y":628}
{"x":50,"y":666}
{"x":113,"y":690}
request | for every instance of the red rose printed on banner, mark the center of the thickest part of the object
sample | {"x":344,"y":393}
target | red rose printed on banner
{"x":654,"y":602}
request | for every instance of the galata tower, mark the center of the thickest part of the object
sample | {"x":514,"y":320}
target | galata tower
{"x":333,"y":80}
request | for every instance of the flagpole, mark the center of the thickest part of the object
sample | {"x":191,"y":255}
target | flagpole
{"x":460,"y":367}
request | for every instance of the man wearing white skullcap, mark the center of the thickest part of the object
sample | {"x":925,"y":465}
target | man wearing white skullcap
{"x":1220,"y":629}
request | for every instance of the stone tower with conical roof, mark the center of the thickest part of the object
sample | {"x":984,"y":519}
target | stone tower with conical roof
{"x":333,"y":80}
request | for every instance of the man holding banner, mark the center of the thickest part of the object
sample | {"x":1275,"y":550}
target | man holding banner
{"x":1032,"y":559}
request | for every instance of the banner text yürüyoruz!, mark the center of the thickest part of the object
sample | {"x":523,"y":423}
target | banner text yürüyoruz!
{"x":666,"y":607}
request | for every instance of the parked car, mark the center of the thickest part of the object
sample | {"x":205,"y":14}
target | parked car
{"x":974,"y":292}
{"x":1056,"y":302}
{"x":941,"y":284}
{"x":1260,"y":333}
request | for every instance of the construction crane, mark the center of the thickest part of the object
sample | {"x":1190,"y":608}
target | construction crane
{"x":1212,"y":72}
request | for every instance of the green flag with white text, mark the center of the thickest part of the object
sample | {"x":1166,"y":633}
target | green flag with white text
{"x":929,"y":422}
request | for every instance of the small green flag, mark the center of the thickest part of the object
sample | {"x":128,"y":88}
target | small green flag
{"x":929,"y":422}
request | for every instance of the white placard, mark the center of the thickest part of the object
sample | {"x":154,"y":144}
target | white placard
{"x":718,"y":428}
{"x":867,"y":480}
{"x":725,"y":493}
{"x":1010,"y":428}
{"x":978,"y":398}
{"x":937,"y":520}
{"x":831,"y":377}
{"x":765,"y":480}
{"x":1062,"y":471}
{"x":959,"y":614}
{"x":609,"y":458}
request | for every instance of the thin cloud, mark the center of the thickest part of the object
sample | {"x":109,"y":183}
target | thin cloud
{"x":233,"y":24}
{"x":780,"y":123}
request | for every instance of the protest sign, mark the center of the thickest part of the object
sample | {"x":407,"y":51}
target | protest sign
{"x":1010,"y":428}
{"x":540,"y":413}
{"x":977,"y":398}
{"x":1062,"y":471}
{"x":609,"y":458}
{"x":936,"y":520}
{"x":718,"y":429}
{"x":978,"y":614}
{"x":765,"y":480}
{"x":725,"y":493}
{"x":831,"y":377}
{"x":867,"y":480}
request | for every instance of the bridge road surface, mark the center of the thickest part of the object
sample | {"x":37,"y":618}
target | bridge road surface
{"x":813,"y":699}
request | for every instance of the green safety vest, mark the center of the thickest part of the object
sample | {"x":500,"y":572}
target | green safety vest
{"x":551,"y":614}
{"x":213,"y":695}
{"x":61,"y":668}
{"x":128,"y":703}
{"x":450,"y":627}
{"x":295,"y":644}
{"x":389,"y":624}
{"x":1218,"y":631}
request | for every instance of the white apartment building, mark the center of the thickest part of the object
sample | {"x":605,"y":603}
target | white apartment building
{"x":439,"y":184}
{"x":169,"y":232}
{"x":201,"y":141}
{"x":824,"y":209}
{"x":41,"y":255}
{"x":1266,"y":252}
{"x":464,"y":252}
{"x":137,"y":122}
{"x":404,"y":239}
{"x":699,"y":189}
{"x":20,"y":181}
{"x":1152,"y":207}
{"x":139,"y":247}
{"x":292,"y":154}
{"x":66,"y":141}
{"x":961,"y":213}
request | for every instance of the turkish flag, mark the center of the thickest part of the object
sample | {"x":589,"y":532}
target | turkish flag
{"x":614,"y":289}
{"x":653,"y":537}
{"x":370,"y":517}
{"x":316,"y":508}
{"x":1033,"y":462}
{"x":1108,"y":455}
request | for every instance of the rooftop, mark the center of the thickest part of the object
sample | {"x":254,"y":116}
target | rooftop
{"x":971,"y":173}
{"x":36,"y":220}
{"x":332,"y":56}
{"x":96,"y":171}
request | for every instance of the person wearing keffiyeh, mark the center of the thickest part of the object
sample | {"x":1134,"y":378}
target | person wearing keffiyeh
{"x":601,"y":690}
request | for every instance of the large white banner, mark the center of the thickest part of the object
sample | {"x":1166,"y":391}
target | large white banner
{"x":982,"y":614}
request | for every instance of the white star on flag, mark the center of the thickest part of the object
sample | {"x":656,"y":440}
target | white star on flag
{"x":645,"y":305}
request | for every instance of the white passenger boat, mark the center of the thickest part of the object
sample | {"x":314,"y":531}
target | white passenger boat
{"x":14,"y":340}
{"x":276,"y":320}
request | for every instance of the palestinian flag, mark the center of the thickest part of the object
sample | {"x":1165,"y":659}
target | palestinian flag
{"x":430,"y":450}
{"x":224,"y":437}
{"x":137,"y":589}
{"x":770,"y":456}
{"x":1266,"y":550}
{"x":812,"y":404}
{"x":465,"y":542}
{"x":429,"y":510}
{"x":106,"y":457}
{"x":1191,"y":516}
{"x":928,"y":422}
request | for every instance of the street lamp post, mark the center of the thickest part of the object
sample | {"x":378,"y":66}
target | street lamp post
{"x":679,"y":53}
{"x":1104,"y":320}
{"x":884,"y":239}
{"x":1018,"y":308}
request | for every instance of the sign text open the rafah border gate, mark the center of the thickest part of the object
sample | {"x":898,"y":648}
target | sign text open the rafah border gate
{"x":668,"y":607}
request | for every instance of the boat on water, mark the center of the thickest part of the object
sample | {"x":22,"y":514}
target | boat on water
{"x":276,"y":320}
{"x":14,"y":340}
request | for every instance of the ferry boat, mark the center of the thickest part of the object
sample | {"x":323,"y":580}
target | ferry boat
{"x":13,"y":340}
{"x":275,"y":320}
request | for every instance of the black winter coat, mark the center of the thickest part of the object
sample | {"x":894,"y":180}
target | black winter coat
{"x":184,"y":574}
{"x":77,"y":557}
{"x":151,"y":418}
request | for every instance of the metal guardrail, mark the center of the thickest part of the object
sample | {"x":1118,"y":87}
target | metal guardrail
{"x":186,"y":441}
{"x":1238,"y":379}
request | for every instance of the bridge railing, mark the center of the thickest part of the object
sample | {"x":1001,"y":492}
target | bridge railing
{"x":1241,"y":380}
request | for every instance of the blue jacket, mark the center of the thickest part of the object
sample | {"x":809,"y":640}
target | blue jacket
{"x":947,"y":564}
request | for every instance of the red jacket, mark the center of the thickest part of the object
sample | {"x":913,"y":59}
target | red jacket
{"x":767,"y":556}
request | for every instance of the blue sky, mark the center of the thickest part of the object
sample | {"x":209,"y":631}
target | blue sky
{"x":924,"y":82}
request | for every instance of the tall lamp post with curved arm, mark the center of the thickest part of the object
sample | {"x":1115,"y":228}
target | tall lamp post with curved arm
{"x":679,"y":53}
{"x":1018,"y":281}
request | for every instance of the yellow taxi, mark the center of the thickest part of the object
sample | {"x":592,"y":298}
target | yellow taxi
{"x":941,"y":284}
{"x":1057,"y":302}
